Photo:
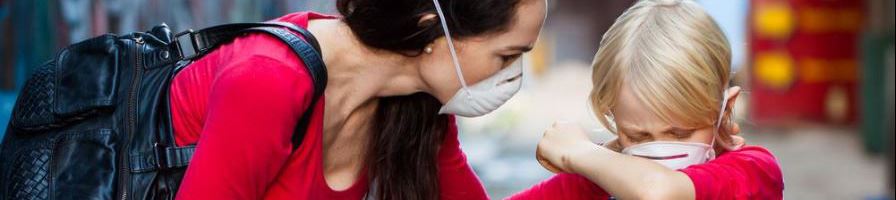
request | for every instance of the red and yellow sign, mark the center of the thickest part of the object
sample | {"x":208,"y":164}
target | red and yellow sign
{"x":804,"y":58}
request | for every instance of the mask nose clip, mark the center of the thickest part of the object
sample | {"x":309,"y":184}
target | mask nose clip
{"x":511,"y":79}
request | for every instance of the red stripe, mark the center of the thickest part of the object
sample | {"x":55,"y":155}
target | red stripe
{"x":663,"y":157}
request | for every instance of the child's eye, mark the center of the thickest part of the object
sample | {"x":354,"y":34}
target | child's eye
{"x":638,"y":137}
{"x":682,"y":134}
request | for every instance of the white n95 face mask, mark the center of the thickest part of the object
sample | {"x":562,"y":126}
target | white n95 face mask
{"x":679,"y":155}
{"x":674,"y":155}
{"x":485,"y":96}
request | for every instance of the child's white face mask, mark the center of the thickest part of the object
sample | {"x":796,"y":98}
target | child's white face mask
{"x":674,"y":155}
{"x":679,"y":155}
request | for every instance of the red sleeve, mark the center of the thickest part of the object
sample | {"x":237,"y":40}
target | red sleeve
{"x":253,"y":107}
{"x":748,"y":173}
{"x":563,"y":186}
{"x":456,"y":178}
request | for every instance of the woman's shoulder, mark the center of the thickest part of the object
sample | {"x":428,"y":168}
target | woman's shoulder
{"x":265,"y":76}
{"x":257,"y":49}
{"x":264,"y":54}
{"x":301,"y":18}
{"x":251,"y":62}
{"x":261,"y":59}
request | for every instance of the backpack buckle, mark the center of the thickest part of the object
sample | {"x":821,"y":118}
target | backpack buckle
{"x":185,"y":44}
{"x":161,"y":157}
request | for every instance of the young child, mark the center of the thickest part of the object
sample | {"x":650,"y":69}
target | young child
{"x":661,"y":84}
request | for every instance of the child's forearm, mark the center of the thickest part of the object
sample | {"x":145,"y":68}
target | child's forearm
{"x":628,"y":177}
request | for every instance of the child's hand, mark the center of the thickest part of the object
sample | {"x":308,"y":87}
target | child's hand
{"x":560,"y":143}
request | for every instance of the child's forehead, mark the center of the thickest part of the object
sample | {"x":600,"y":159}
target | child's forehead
{"x":632,"y":112}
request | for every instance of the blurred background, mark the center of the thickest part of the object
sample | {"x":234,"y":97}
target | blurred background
{"x":819,"y":76}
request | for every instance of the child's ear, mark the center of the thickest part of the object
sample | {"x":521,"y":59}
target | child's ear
{"x":731,"y":94}
{"x":732,"y":128}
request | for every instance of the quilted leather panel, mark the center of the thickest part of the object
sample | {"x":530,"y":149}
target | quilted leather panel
{"x":34,"y":105}
{"x":31,"y":180}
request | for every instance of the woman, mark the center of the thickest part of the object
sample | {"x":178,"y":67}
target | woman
{"x":661,"y":84}
{"x":381,"y":130}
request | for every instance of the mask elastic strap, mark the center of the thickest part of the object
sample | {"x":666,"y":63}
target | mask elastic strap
{"x":460,"y":74}
{"x":721,"y":114}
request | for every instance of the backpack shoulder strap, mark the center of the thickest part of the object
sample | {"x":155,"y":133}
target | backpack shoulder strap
{"x":313,"y":62}
{"x":192,"y":44}
{"x":203,"y":41}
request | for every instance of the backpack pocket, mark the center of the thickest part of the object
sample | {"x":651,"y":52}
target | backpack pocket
{"x":82,"y":81}
{"x":69,"y":165}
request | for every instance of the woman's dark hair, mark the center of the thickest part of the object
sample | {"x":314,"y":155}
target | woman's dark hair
{"x":408,"y":130}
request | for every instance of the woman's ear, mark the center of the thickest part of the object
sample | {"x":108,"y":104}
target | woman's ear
{"x":427,"y":19}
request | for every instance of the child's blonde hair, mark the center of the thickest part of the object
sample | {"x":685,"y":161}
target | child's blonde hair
{"x":674,"y":58}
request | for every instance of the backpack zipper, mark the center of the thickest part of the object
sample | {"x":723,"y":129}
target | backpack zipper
{"x":131,"y":118}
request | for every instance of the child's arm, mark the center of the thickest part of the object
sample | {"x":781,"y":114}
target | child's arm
{"x":566,"y":148}
{"x":750,"y":172}
{"x":629,"y":177}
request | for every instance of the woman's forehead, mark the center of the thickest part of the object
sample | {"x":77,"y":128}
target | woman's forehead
{"x":526,"y":24}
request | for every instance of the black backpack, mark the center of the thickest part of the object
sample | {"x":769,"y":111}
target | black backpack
{"x":94,"y":123}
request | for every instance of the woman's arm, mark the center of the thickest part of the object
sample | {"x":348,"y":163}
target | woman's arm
{"x":252,"y":111}
{"x":565,"y":186}
{"x":566,"y":148}
{"x":456,"y":178}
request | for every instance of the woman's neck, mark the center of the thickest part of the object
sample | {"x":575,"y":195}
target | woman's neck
{"x":357,"y":76}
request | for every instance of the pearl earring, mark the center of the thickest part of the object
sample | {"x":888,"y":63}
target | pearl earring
{"x":428,"y":49}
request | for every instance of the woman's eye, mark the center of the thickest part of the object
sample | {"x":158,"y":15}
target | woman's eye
{"x":509,"y":58}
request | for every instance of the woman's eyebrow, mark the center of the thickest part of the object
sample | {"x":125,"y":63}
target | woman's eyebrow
{"x":521,"y":48}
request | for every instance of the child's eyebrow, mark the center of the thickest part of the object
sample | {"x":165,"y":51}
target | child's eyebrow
{"x":678,"y":129}
{"x":630,"y":128}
